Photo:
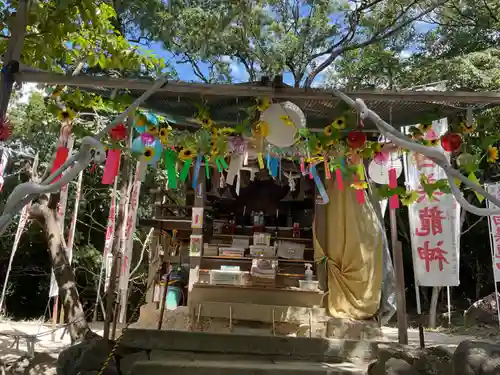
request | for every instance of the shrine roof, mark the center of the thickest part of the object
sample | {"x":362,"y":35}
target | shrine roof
{"x":228,"y":104}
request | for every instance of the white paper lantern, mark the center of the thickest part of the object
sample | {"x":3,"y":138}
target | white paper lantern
{"x":280,"y":133}
{"x":380,"y":173}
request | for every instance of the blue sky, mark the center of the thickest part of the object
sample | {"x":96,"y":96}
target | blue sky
{"x":239,"y":74}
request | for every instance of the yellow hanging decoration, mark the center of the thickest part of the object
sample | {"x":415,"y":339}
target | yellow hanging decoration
{"x":359,"y":185}
{"x":163,"y":135}
{"x":263,"y":103}
{"x":424,"y":128}
{"x":261,"y":160}
{"x":260,"y":129}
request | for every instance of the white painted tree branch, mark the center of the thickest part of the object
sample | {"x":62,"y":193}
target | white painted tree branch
{"x":144,"y":246}
{"x":438,"y":157}
{"x":90,"y":151}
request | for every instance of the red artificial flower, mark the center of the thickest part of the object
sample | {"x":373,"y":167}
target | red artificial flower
{"x":451,"y":142}
{"x":118,"y":133}
{"x":5,"y":129}
{"x":356,"y":139}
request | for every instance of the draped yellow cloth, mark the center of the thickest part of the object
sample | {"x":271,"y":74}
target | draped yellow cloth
{"x":352,"y":242}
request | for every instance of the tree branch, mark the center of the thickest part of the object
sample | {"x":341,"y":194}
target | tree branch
{"x":378,"y":36}
{"x":144,"y":246}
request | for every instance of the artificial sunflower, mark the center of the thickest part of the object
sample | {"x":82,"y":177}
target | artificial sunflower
{"x":226,"y":131}
{"x":492,"y":154}
{"x":287,"y":120}
{"x":57,"y":92}
{"x":359,"y":185}
{"x":263,"y":103}
{"x":153,"y":130}
{"x":332,"y":142}
{"x":425,"y":127}
{"x":260,"y":129}
{"x":338,"y":123}
{"x":66,"y":115}
{"x":163,"y":135}
{"x":206,"y":122}
{"x":466,"y":128}
{"x":376,"y":147}
{"x":214,"y":151}
{"x":431,"y":142}
{"x":149,"y":153}
{"x":328,"y":131}
{"x":213,"y":131}
{"x":318,"y":147}
{"x":186,"y":153}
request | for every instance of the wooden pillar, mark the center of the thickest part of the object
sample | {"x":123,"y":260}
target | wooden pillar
{"x":320,"y":218}
{"x":397,"y":255}
{"x":194,"y":262}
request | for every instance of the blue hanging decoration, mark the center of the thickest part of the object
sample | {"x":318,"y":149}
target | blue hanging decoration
{"x":274,"y":163}
{"x":319,"y":185}
{"x":196,"y":172}
{"x":150,"y":152}
{"x":152,"y":122}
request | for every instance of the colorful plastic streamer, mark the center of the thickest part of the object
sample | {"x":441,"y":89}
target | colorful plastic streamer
{"x":393,"y":183}
{"x":170,"y":166}
{"x":111,"y":167}
{"x":261,"y":160}
{"x":319,"y":185}
{"x":339,"y":179}
{"x":207,"y":168}
{"x":274,"y":163}
{"x":61,"y":156}
{"x":196,"y":172}
{"x":185,"y":170}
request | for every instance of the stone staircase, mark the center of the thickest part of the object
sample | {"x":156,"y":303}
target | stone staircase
{"x":201,"y":353}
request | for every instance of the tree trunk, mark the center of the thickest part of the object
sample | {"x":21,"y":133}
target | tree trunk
{"x":45,"y":212}
{"x":433,"y":308}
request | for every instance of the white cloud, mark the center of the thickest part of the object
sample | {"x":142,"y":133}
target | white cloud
{"x":406,"y":53}
{"x":25,"y":93}
{"x":238,"y":72}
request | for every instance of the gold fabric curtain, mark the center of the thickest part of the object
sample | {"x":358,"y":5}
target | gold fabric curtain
{"x":352,"y":243}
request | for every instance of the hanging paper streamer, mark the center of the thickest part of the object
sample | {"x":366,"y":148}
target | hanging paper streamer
{"x":234,"y":168}
{"x":319,"y":185}
{"x":310,"y":171}
{"x":338,"y":178}
{"x":223,"y":162}
{"x":111,"y":167}
{"x":274,"y":163}
{"x":327,"y":169}
{"x":196,"y":172}
{"x":268,"y":162}
{"x":302,"y":167}
{"x":170,"y":163}
{"x":129,"y":244}
{"x":150,"y":150}
{"x":219,"y":165}
{"x":3,"y":165}
{"x":261,"y":160}
{"x":61,"y":156}
{"x":393,"y":183}
{"x":72,"y":228}
{"x":207,"y":168}
{"x":360,"y":193}
{"x":185,"y":170}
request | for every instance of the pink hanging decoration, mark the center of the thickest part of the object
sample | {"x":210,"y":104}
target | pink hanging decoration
{"x":393,"y":183}
{"x":327,"y":169}
{"x":338,"y":178}
{"x":111,"y":167}
{"x":302,"y":167}
{"x":381,"y":158}
{"x":147,"y":139}
{"x":310,"y":171}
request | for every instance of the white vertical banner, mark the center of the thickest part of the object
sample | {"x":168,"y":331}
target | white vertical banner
{"x":434,"y":223}
{"x":494,"y":225}
{"x":107,"y":257}
{"x":3,"y":164}
{"x":130,"y":230}
{"x":61,"y":214}
{"x":72,"y":228}
{"x":20,"y":229}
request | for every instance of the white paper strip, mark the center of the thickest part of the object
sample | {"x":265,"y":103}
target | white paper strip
{"x":3,"y":164}
{"x":110,"y":236}
{"x":130,"y":230}
{"x":20,"y":229}
{"x":72,"y":228}
{"x":494,"y":225}
{"x":433,"y":224}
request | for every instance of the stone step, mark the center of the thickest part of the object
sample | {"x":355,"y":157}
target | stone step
{"x":240,"y":367}
{"x":271,"y":347}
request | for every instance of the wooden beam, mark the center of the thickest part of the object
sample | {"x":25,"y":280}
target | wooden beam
{"x":223,"y":90}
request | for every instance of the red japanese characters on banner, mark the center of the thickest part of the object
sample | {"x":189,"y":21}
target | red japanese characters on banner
{"x":433,"y":223}
{"x":494,"y":224}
